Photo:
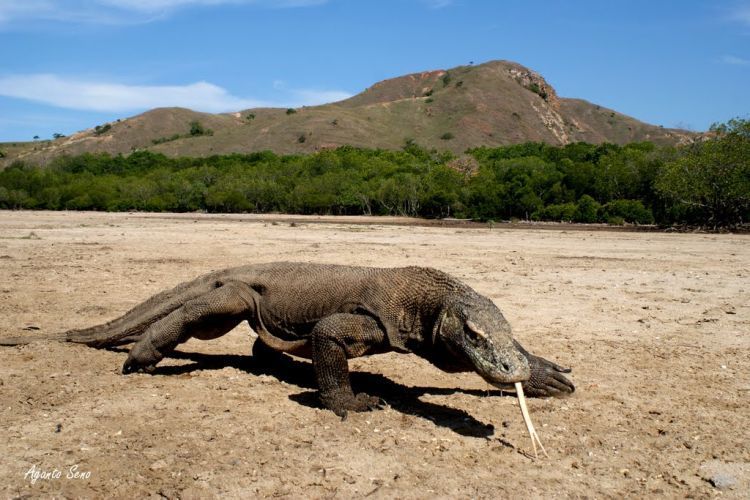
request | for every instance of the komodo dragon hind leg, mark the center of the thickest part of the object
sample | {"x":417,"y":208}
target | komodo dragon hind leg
{"x":208,"y":316}
{"x":334,"y":340}
{"x":267,"y":357}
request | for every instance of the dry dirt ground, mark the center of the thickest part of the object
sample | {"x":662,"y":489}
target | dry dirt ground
{"x":654,"y":325}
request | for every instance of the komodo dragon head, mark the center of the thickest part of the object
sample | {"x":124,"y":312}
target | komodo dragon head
{"x":476,"y":332}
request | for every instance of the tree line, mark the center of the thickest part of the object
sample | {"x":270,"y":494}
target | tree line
{"x":705,"y":183}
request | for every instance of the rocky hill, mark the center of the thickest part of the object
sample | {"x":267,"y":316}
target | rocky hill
{"x":492,"y":104}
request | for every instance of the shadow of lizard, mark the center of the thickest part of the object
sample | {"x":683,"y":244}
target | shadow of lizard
{"x":293,"y":371}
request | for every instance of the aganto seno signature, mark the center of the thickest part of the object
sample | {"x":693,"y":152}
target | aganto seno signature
{"x":36,"y":473}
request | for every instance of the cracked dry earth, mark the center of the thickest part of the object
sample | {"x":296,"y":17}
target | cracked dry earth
{"x":655,"y":326}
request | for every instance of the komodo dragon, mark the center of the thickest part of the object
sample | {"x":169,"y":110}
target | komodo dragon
{"x":331,"y":313}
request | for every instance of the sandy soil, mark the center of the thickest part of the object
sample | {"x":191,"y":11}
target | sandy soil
{"x":655,"y":326}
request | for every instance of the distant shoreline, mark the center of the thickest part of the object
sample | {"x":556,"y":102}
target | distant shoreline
{"x":386,"y":220}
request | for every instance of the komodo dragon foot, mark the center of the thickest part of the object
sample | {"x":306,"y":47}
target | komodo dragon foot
{"x":142,"y":358}
{"x":343,"y":401}
{"x":132,"y":366}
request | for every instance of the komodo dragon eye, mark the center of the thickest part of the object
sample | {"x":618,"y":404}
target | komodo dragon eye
{"x":473,"y":332}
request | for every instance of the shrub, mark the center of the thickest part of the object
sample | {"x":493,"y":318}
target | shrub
{"x":535,"y":88}
{"x":196,"y":128}
{"x":162,"y":140}
{"x":564,"y":212}
{"x":446,"y":136}
{"x":291,"y":111}
{"x":102,"y":129}
{"x":628,"y":211}
{"x":587,"y":210}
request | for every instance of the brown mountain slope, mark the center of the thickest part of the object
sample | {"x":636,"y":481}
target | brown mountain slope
{"x":492,"y":104}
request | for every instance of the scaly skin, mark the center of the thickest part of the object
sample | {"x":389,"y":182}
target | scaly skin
{"x":333,"y":313}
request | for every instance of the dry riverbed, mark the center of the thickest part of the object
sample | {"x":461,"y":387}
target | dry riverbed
{"x":654,"y":325}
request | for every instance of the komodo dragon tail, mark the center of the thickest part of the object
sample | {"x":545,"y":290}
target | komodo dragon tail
{"x":131,"y":325}
{"x":8,"y":341}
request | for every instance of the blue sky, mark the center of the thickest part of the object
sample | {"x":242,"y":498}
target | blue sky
{"x":69,"y":65}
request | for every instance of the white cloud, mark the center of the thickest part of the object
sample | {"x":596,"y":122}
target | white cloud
{"x":741,"y":14}
{"x":118,"y":11}
{"x":734,"y":60}
{"x":310,"y":97}
{"x":12,"y":9}
{"x":104,"y":96}
{"x":116,"y":97}
{"x":16,"y":14}
{"x":438,"y":4}
{"x":160,"y":5}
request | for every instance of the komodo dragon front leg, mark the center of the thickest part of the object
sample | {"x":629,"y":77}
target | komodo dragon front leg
{"x":206,"y":317}
{"x":334,"y":340}
{"x":547,"y":378}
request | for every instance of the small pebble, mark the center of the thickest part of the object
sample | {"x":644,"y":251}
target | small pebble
{"x":159,"y":464}
{"x":722,"y":481}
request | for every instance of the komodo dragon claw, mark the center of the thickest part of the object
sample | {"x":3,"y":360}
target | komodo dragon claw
{"x":341,"y":405}
{"x":547,"y":379}
{"x":131,"y":366}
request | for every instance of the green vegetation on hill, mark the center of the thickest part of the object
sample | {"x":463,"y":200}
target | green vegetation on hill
{"x":196,"y":130}
{"x":707,"y":183}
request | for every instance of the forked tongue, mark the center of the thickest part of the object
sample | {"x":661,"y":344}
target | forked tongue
{"x":527,"y":421}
